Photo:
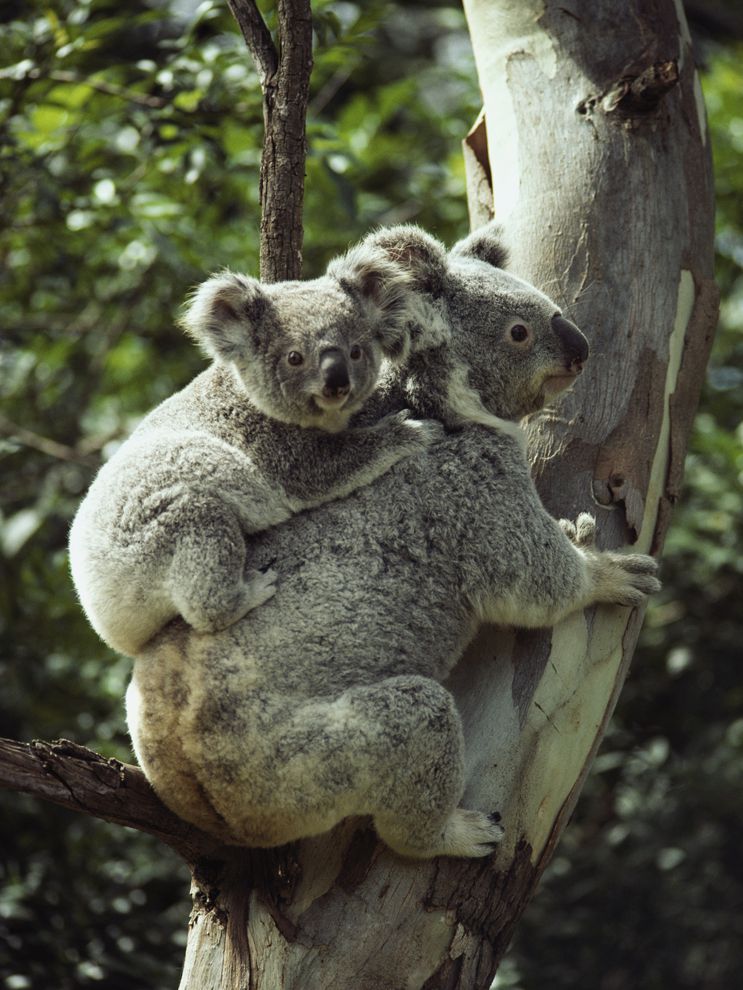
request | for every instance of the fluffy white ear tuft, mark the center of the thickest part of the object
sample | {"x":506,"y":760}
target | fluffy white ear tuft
{"x":485,"y":243}
{"x":223,"y":313}
{"x":384,"y":287}
{"x":419,"y":254}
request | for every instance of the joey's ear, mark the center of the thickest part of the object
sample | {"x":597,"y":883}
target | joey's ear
{"x":485,"y":243}
{"x":223,"y":314}
{"x":383,"y":288}
{"x":419,"y":254}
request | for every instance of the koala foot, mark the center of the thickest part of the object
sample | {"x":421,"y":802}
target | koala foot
{"x":582,"y":532}
{"x":465,"y":833}
{"x":623,"y":579}
{"x":258,"y":587}
{"x":471,"y":833}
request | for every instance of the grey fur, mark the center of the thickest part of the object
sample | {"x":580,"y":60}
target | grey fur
{"x":326,"y":702}
{"x":251,"y":441}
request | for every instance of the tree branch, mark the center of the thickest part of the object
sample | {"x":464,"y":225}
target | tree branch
{"x":75,"y":777}
{"x":285,"y":80}
{"x":257,"y":38}
{"x":45,"y":445}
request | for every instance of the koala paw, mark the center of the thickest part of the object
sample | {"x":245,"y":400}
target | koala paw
{"x":423,"y":432}
{"x":624,"y":579}
{"x":471,"y":833}
{"x":258,"y":587}
{"x":582,"y":532}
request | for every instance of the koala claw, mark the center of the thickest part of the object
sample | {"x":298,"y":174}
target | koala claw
{"x":582,"y":532}
{"x":425,"y":431}
{"x":258,"y":587}
{"x":626,"y":579}
{"x":472,"y":833}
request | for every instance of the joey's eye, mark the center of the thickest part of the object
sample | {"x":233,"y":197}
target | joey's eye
{"x":519,"y":333}
{"x":294,"y":357}
{"x":355,"y":352}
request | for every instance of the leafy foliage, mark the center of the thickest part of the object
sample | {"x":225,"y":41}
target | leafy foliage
{"x":129,"y":150}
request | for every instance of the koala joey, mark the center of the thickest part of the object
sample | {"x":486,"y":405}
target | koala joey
{"x":256,"y":438}
{"x":327,"y":701}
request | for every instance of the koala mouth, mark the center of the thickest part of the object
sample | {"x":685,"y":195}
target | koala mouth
{"x":554,"y":384}
{"x":331,"y":402}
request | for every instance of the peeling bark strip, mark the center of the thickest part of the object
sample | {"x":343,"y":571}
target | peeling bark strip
{"x":284,"y":70}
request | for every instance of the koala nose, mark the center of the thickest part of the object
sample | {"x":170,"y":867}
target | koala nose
{"x":572,"y":340}
{"x":334,"y":371}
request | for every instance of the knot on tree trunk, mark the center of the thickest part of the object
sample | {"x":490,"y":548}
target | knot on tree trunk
{"x":634,"y":95}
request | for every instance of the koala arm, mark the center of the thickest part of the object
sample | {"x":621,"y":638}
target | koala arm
{"x":537,"y":570}
{"x":330,"y":466}
{"x":560,"y":571}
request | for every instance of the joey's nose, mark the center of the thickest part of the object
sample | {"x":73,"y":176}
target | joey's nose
{"x":334,"y":371}
{"x":574,"y":343}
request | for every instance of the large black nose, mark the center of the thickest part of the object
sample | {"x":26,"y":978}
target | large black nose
{"x":572,"y":340}
{"x":334,"y":371}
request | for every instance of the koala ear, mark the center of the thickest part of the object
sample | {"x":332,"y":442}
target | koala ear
{"x":383,"y":288}
{"x":485,"y":243}
{"x":223,"y":314}
{"x":419,"y":254}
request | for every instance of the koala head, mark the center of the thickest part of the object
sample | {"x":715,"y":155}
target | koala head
{"x":307,"y":353}
{"x":507,"y":341}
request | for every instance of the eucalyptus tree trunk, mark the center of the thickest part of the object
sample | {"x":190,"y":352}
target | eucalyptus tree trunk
{"x":594,"y":136}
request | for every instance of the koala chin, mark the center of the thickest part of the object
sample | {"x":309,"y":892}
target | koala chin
{"x":327,"y":701}
{"x":165,"y":529}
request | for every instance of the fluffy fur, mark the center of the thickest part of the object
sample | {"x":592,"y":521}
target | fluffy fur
{"x":164,"y":528}
{"x":326,"y":701}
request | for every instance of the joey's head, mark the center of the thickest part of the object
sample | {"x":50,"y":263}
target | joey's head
{"x":482,"y":336}
{"x":307,"y":353}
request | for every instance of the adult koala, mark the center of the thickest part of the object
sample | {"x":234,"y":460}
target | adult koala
{"x":326,"y":702}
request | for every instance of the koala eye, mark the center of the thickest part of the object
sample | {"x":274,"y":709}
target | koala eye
{"x":519,"y":333}
{"x":294,"y":357}
{"x":355,"y":352}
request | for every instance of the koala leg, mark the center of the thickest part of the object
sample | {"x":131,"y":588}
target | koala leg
{"x":393,"y":750}
{"x":419,"y":772}
{"x":208,"y":582}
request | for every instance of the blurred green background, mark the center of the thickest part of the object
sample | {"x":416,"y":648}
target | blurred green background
{"x":129,"y":149}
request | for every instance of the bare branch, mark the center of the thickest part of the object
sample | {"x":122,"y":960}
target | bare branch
{"x":257,"y":38}
{"x":102,"y":86}
{"x":61,"y":451}
{"x":75,"y":777}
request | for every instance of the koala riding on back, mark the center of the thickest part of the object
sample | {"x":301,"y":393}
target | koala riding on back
{"x":257,"y":437}
{"x":327,"y":701}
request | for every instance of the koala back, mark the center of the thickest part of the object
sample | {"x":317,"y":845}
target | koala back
{"x":383,"y":585}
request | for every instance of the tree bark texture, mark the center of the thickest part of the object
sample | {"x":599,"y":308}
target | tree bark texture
{"x":284,"y":70}
{"x":596,"y":142}
{"x":76,"y":778}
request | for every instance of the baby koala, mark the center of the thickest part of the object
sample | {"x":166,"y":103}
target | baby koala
{"x":251,"y":441}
